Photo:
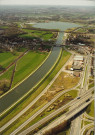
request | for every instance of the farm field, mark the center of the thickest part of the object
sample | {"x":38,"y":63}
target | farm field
{"x":5,"y":80}
{"x":27,"y":64}
{"x":36,"y":33}
{"x":7,"y":58}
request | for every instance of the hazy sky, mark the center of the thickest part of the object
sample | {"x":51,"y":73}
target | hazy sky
{"x":48,"y":2}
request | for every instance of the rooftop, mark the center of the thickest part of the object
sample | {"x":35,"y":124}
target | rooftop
{"x":78,"y":57}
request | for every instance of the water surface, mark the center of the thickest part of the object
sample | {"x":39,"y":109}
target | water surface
{"x":56,"y":25}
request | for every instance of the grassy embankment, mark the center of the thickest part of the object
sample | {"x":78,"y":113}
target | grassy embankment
{"x":45,"y":35}
{"x":90,"y":109}
{"x":91,"y":85}
{"x":64,"y":58}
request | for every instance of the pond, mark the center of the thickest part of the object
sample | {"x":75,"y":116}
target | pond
{"x":56,"y":25}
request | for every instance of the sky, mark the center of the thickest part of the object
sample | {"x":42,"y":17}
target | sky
{"x":48,"y":2}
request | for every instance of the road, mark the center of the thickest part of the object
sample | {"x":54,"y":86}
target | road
{"x":35,"y":115}
{"x":61,"y":119}
{"x":85,"y":127}
{"x":13,"y":96}
{"x":78,"y":105}
{"x":92,"y":129}
{"x":76,"y":124}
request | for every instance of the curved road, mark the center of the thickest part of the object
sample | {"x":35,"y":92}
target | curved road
{"x":13,"y":96}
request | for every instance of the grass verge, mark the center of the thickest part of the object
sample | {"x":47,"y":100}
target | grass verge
{"x":90,"y":109}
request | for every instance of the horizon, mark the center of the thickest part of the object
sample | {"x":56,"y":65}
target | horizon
{"x":49,"y":2}
{"x":49,"y":5}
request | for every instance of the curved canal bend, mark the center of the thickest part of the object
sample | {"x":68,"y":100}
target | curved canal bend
{"x":13,"y":96}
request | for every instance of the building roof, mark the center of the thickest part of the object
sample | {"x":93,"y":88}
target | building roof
{"x":77,"y":67}
{"x":78,"y":58}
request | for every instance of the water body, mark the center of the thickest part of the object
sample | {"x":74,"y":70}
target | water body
{"x":62,"y":26}
{"x":13,"y":96}
{"x":60,"y":38}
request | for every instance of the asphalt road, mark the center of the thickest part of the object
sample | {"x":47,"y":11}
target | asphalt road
{"x":13,"y":96}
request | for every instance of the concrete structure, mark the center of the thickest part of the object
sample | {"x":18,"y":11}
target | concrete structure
{"x":77,"y":67}
{"x":77,"y":74}
{"x":78,"y":58}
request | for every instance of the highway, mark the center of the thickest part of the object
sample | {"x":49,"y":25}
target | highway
{"x":35,"y":115}
{"x":74,"y":102}
{"x":63,"y":118}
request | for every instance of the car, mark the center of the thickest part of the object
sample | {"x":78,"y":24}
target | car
{"x":87,"y":100}
{"x":78,"y":97}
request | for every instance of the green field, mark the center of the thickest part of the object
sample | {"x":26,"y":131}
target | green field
{"x":4,"y":27}
{"x":5,"y":79}
{"x":35,"y":33}
{"x":7,"y":58}
{"x":91,"y":85}
{"x":7,"y":74}
{"x":81,"y":30}
{"x":27,"y":64}
{"x":90,"y":109}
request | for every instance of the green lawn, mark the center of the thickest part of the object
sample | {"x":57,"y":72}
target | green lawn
{"x":81,"y":30}
{"x":91,"y":85}
{"x":27,"y":64}
{"x":7,"y":58}
{"x":4,"y":27}
{"x":90,"y":109}
{"x":45,"y":35}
